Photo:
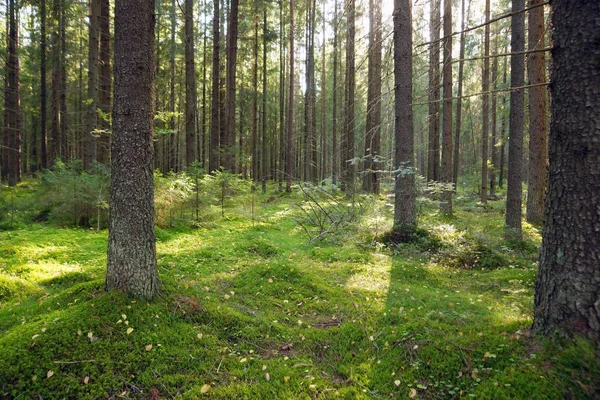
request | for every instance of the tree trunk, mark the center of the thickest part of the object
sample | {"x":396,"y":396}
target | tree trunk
{"x":404,"y":205}
{"x":538,"y":129}
{"x":43,"y":87}
{"x":54,"y":150}
{"x":323,"y":172}
{"x":515,"y":145}
{"x":131,"y":242}
{"x":255,"y":163}
{"x":213,"y":163}
{"x":105,"y":84}
{"x":348,"y":167}
{"x":281,"y":97}
{"x":13,"y":123}
{"x":92,"y":91}
{"x":433,"y":152}
{"x":190,"y":85}
{"x":334,"y":141}
{"x":567,"y":295}
{"x":456,"y":159}
{"x":290,"y":120}
{"x":263,"y":156}
{"x":172,"y":146}
{"x":494,"y":126}
{"x":446,"y":172}
{"x":373,"y":123}
{"x":63,"y":84}
{"x":229,"y":161}
{"x":503,"y":126}
{"x":485,"y":105}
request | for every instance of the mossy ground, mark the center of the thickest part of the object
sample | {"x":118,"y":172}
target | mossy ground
{"x":250,"y":310}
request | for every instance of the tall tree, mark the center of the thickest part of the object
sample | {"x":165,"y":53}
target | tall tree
{"x":213,"y":162}
{"x":92,"y":93}
{"x":13,"y":115}
{"x":255,"y":143}
{"x":373,"y":123}
{"x":515,"y":144}
{"x":433,"y":147}
{"x":334,"y":141}
{"x":229,"y":158}
{"x":405,"y":217}
{"x":105,"y":83}
{"x":131,"y":263}
{"x":324,"y":170}
{"x":485,"y":105}
{"x":310,"y":101}
{"x":263,"y":156}
{"x":54,"y":147}
{"x":190,"y":85}
{"x":281,"y":96}
{"x":494,"y":125}
{"x":538,"y":128}
{"x":43,"y":86}
{"x":446,"y":172}
{"x":567,"y":293}
{"x":461,"y":65}
{"x":289,"y":164}
{"x":348,"y":168}
{"x":172,"y":146}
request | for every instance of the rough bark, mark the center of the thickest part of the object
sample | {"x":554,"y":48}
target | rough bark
{"x":538,"y":129}
{"x":373,"y":123}
{"x":13,"y":123}
{"x":54,"y":149}
{"x":446,"y":172}
{"x":567,"y":295}
{"x":404,"y":188}
{"x":255,"y":144}
{"x":43,"y":87}
{"x":324,"y":159}
{"x":172,"y":146}
{"x":131,"y":240}
{"x":456,"y":159}
{"x":105,"y":84}
{"x":348,"y":165}
{"x":515,"y":144}
{"x":334,"y":141}
{"x":264,"y":155}
{"x":494,"y":125}
{"x":92,"y":91}
{"x":433,"y":147}
{"x":213,"y":162}
{"x":485,"y":105}
{"x":190,"y":85}
{"x":229,"y":156}
{"x":281,"y":97}
{"x":311,"y":98}
{"x":289,"y":165}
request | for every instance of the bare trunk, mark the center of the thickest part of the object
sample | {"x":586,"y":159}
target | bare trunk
{"x":289,"y":144}
{"x":334,"y":141}
{"x":264,"y":155}
{"x":105,"y":85}
{"x":433,"y":147}
{"x":213,"y":163}
{"x":190,"y":85}
{"x":92,"y":91}
{"x":446,"y":172}
{"x":456,"y":159}
{"x":493,"y":150}
{"x":43,"y":87}
{"x":348,"y":167}
{"x":485,"y":104}
{"x":229,"y":159}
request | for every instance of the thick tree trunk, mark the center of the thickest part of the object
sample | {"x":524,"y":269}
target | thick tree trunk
{"x":515,"y":145}
{"x":404,"y":205}
{"x":433,"y":147}
{"x":446,"y":172}
{"x":289,"y":165}
{"x":538,"y":129}
{"x":567,"y":295}
{"x":105,"y":84}
{"x":131,"y":241}
{"x":348,"y":165}
{"x":190,"y":85}
{"x":373,"y":123}
{"x":213,"y":162}
{"x":92,"y":91}
{"x":485,"y":105}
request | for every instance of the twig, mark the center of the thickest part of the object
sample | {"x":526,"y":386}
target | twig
{"x":73,"y":362}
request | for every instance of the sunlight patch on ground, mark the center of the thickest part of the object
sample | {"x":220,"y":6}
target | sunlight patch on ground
{"x":373,"y":276}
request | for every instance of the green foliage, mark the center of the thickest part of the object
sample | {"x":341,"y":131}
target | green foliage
{"x":70,"y":196}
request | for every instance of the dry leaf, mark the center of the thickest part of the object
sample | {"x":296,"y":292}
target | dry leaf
{"x":86,"y":380}
{"x":149,"y":347}
{"x":123,"y":316}
{"x":264,"y":367}
{"x":243,"y":360}
{"x":90,"y":335}
{"x":486,"y":355}
{"x":397,"y":382}
{"x":34,"y":378}
{"x":226,"y":297}
{"x":412,"y":393}
{"x":270,"y":280}
{"x":79,"y":333}
{"x":286,"y":378}
{"x":129,"y":330}
{"x":50,"y":373}
{"x":204,"y":388}
{"x":267,"y":377}
{"x":199,"y":336}
{"x":34,"y":336}
{"x":43,"y":330}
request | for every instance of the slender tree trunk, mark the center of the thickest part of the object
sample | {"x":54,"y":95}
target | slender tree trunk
{"x":493,"y":150}
{"x":485,"y":104}
{"x":105,"y":83}
{"x":172,"y":147}
{"x":43,"y":86}
{"x":190,"y":85}
{"x":203,"y":141}
{"x":433,"y":152}
{"x":229,"y":161}
{"x":538,"y":129}
{"x":290,"y":119}
{"x":131,"y":263}
{"x":446,"y":172}
{"x":281,"y":97}
{"x":334,"y":141}
{"x":63,"y":84}
{"x":373,"y":123}
{"x":456,"y":159}
{"x":54,"y":151}
{"x":324,"y":170}
{"x":404,"y":188}
{"x":515,"y":144}
{"x":255,"y":156}
{"x":503,"y":126}
{"x":348,"y":165}
{"x":567,"y":293}
{"x":213,"y":163}
{"x":264,"y":155}
{"x":92,"y":92}
{"x":13,"y":123}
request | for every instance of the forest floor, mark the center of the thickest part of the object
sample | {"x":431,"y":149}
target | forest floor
{"x":251,"y":309}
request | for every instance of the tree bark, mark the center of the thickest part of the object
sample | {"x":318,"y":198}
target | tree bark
{"x":433,"y":152}
{"x":334,"y":141}
{"x":13,"y":124}
{"x":348,"y":165}
{"x":213,"y":162}
{"x":538,"y":129}
{"x":92,"y":91}
{"x":105,"y":84}
{"x":404,"y":188}
{"x":264,"y":155}
{"x":324,"y":159}
{"x":567,"y":295}
{"x":446,"y":172}
{"x":485,"y":105}
{"x":373,"y":123}
{"x":190,"y":85}
{"x":131,"y":239}
{"x":494,"y":126}
{"x":456,"y":159}
{"x":54,"y":149}
{"x":290,"y":119}
{"x":43,"y":87}
{"x":255,"y":144}
{"x":229,"y":161}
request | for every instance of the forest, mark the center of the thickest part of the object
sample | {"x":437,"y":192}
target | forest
{"x":300,"y":200}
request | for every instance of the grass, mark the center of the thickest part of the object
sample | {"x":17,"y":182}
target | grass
{"x":250,"y":309}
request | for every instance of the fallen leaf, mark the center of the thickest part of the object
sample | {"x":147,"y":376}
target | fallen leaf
{"x":264,"y":367}
{"x":412,"y":393}
{"x":199,"y":336}
{"x":267,"y":377}
{"x":286,"y":378}
{"x":50,"y":373}
{"x":34,"y":336}
{"x":90,"y":335}
{"x":86,"y":380}
{"x":43,"y":330}
{"x":226,"y":297}
{"x":270,"y":280}
{"x":243,"y":360}
{"x":149,"y":347}
{"x":123,"y":316}
{"x":312,"y":387}
{"x":34,"y":378}
{"x":79,"y":333}
{"x":397,"y":382}
{"x":486,"y":355}
{"x":204,"y":388}
{"x":129,"y":330}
